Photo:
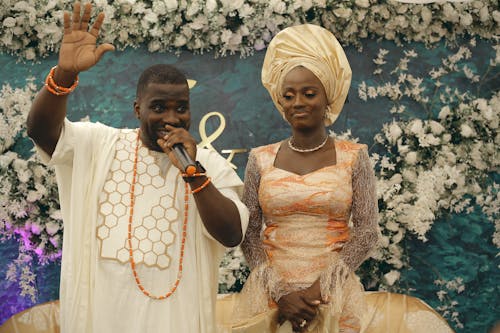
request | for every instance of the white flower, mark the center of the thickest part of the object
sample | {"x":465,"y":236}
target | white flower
{"x":52,"y":227}
{"x":416,"y":127}
{"x":9,"y":22}
{"x":210,"y":5}
{"x":436,"y":128}
{"x":56,"y":215}
{"x":392,"y":277}
{"x":171,"y":5}
{"x":362,"y":3}
{"x":411,"y":158}
{"x":445,"y":112}
{"x":343,"y":12}
{"x":466,"y":131}
{"x":394,"y":132}
{"x":446,"y":137}
{"x":466,"y":19}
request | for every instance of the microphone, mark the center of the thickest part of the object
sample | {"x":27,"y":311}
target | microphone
{"x":188,"y":165}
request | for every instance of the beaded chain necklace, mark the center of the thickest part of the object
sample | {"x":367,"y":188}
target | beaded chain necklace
{"x":299,"y":150}
{"x":129,"y":235}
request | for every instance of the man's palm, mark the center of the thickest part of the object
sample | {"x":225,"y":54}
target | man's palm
{"x":79,"y":50}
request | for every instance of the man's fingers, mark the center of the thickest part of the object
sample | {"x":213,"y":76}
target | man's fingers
{"x":67,"y":23}
{"x":86,"y":16}
{"x":97,"y":25}
{"x":76,"y":16}
{"x":103,"y":48}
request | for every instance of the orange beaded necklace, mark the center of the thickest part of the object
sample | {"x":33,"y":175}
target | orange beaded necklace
{"x":129,"y":235}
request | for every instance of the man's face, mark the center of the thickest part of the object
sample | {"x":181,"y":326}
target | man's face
{"x":160,"y":104}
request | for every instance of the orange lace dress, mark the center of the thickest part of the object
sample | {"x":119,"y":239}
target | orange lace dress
{"x":303,"y":227}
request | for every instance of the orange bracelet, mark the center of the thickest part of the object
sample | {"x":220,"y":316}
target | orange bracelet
{"x":55,"y":89}
{"x":198,"y":174}
{"x":202,"y":186}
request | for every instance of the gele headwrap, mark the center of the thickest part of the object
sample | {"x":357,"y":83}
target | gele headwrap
{"x":316,"y":49}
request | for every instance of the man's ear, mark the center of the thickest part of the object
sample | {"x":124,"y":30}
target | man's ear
{"x":137,"y":109}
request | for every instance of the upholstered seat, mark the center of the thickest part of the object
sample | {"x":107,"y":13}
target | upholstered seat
{"x":42,"y":318}
{"x":387,"y":313}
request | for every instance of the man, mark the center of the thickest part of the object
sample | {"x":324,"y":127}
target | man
{"x":142,"y":241}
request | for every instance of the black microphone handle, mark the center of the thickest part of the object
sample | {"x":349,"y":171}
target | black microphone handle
{"x":183,"y":157}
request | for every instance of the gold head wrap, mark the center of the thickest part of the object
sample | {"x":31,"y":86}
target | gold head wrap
{"x":316,"y":49}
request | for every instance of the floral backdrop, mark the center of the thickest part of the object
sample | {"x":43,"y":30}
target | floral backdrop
{"x":430,"y":72}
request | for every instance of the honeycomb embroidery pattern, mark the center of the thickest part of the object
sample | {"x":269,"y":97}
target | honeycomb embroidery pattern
{"x":153,"y":234}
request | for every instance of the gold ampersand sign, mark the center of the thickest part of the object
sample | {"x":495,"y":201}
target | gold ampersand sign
{"x":206,"y":141}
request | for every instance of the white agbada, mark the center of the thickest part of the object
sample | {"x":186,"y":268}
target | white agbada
{"x":94,"y":167}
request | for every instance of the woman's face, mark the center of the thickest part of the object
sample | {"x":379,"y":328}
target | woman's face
{"x":303,"y":99}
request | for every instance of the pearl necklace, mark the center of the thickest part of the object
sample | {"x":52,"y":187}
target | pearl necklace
{"x":298,"y":150}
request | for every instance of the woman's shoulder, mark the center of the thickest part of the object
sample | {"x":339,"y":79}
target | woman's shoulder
{"x":269,"y":149}
{"x":349,"y":146}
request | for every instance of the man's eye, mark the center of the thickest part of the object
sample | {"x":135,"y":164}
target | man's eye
{"x":181,"y":109}
{"x":157,"y":108}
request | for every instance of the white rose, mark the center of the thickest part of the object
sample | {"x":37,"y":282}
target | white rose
{"x":436,"y":128}
{"x":210,"y":5}
{"x":391,"y":277}
{"x":409,"y":175}
{"x":362,"y":3}
{"x":466,"y":19}
{"x":52,"y":227}
{"x":416,"y":126}
{"x":484,"y":15}
{"x":446,"y":137}
{"x":411,"y":158}
{"x":29,"y":53}
{"x":343,"y":12}
{"x":171,"y":5}
{"x":180,"y":40}
{"x":426,"y":15}
{"x":394,"y":132}
{"x":445,"y":112}
{"x":259,"y":44}
{"x":466,"y":131}
{"x":384,"y":241}
{"x":9,"y":22}
{"x":33,"y":196}
{"x":496,"y":16}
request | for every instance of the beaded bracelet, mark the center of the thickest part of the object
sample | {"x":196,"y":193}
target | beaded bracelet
{"x":55,"y":89}
{"x":202,"y":186}
{"x":198,"y":174}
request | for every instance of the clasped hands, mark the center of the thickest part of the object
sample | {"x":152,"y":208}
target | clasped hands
{"x":300,"y":307}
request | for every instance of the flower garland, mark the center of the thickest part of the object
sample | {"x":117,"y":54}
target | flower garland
{"x":31,"y":28}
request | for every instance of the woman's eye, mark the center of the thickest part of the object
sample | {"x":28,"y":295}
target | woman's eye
{"x":287,"y":97}
{"x":310,"y":95}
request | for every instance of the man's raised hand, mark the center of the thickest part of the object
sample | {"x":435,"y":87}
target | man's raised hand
{"x":79,"y":50}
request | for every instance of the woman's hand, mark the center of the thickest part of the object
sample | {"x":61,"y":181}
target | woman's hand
{"x":300,"y":307}
{"x":79,"y":50}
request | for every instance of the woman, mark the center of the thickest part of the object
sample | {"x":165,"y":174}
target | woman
{"x":304,"y":191}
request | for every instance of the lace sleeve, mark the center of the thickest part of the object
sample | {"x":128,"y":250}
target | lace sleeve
{"x":252,"y":244}
{"x":364,"y":236}
{"x":364,"y":233}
